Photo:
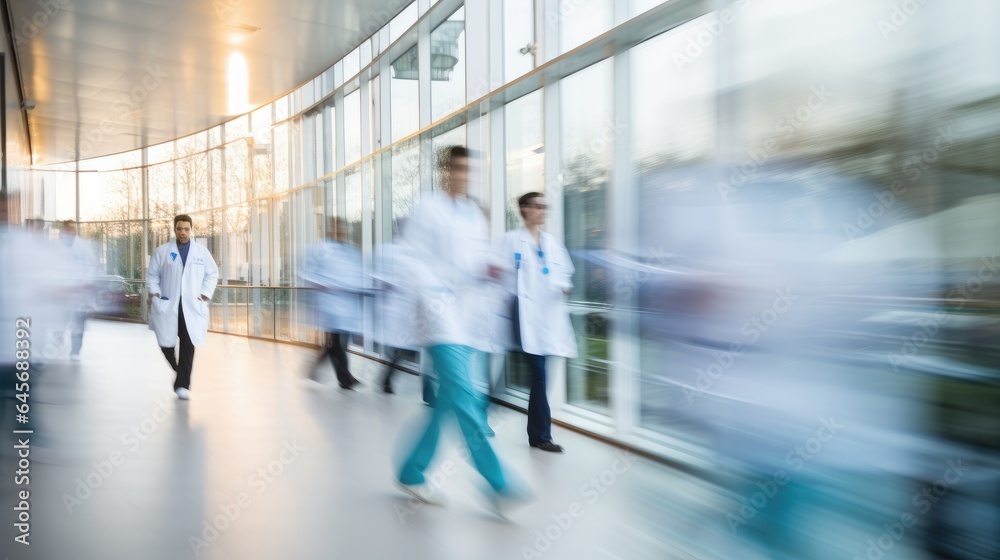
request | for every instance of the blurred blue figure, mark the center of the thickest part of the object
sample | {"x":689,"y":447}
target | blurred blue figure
{"x":333,"y":268}
{"x":398,"y":305}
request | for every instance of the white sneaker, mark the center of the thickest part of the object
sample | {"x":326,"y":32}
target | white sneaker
{"x":425,"y":493}
{"x":183,"y":394}
{"x":508,"y":501}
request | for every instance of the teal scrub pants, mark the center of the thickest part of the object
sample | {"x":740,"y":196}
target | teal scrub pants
{"x":453,"y":364}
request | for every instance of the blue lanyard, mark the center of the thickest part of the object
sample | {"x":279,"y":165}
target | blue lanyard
{"x":541,"y":257}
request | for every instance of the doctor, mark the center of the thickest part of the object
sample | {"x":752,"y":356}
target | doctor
{"x":542,"y":272}
{"x":181,"y":277}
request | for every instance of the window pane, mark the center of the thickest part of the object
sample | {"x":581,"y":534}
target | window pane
{"x":352,"y":127}
{"x":281,"y":170}
{"x":404,"y":192}
{"x":402,"y":22}
{"x":238,"y":187}
{"x":238,"y":128}
{"x":454,"y":137}
{"x":193,"y":191}
{"x":587,"y":141}
{"x":353,"y":208}
{"x":518,"y":33}
{"x":161,"y":191}
{"x":525,"y":152}
{"x":448,"y":65}
{"x":405,"y":103}
{"x":582,"y":20}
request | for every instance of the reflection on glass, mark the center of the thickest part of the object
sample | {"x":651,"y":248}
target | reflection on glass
{"x":404,"y":191}
{"x":404,"y":105}
{"x":448,"y":65}
{"x":454,"y":137}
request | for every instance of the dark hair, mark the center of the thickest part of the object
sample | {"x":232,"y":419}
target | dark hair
{"x":183,"y":218}
{"x":450,"y":154}
{"x":526,"y":199}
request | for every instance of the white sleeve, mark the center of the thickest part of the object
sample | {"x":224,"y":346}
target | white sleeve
{"x":153,"y":272}
{"x":211,"y":279}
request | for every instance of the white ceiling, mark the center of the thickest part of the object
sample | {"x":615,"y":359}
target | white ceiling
{"x":77,"y":63}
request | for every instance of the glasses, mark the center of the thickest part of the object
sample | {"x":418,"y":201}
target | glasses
{"x":536,"y":206}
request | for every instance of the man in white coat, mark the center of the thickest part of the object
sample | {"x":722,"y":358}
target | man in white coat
{"x":181,"y":279}
{"x":448,"y":239}
{"x":541,"y":273}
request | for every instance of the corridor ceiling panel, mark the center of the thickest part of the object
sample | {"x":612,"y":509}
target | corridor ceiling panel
{"x":108,"y":76}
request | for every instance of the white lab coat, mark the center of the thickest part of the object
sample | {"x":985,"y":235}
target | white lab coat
{"x":397,"y":305}
{"x":334,"y":270}
{"x":449,"y":243}
{"x":85,"y":268}
{"x":545,"y":325}
{"x":180,"y":284}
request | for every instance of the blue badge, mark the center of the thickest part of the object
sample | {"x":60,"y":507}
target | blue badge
{"x":173,"y":256}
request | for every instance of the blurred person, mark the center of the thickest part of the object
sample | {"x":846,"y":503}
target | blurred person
{"x":447,"y":234}
{"x":541,"y":279}
{"x":399,"y":310}
{"x":333,"y":269}
{"x":83,"y":261}
{"x":180,"y":296}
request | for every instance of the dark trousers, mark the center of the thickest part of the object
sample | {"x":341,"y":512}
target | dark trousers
{"x":181,"y":364}
{"x":539,"y":415}
{"x":335,"y":343}
{"x":393,"y":354}
{"x":77,"y":323}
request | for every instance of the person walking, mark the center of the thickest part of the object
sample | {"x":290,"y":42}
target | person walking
{"x":334,"y":270}
{"x":541,"y":279}
{"x":85,"y":267}
{"x":181,"y":279}
{"x":448,"y":238}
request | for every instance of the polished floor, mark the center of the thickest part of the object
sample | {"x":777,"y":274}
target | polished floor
{"x":262,"y":463}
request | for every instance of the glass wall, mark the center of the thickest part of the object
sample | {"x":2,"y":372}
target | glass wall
{"x":651,"y":149}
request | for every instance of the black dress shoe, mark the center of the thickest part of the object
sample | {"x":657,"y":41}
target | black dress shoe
{"x":350,"y":384}
{"x":548,"y":446}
